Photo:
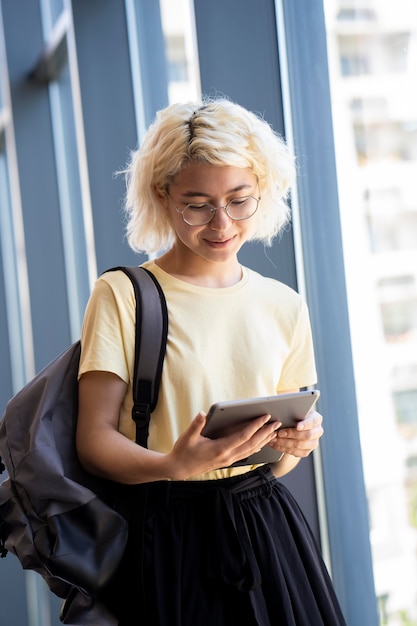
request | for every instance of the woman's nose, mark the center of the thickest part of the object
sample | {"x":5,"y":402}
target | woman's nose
{"x":220,"y":220}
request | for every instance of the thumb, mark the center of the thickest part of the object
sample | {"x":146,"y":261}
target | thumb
{"x":198,"y":423}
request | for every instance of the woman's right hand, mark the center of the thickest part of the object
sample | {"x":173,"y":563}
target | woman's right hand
{"x":195,"y":454}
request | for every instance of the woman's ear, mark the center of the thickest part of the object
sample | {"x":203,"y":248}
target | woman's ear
{"x":161,"y":196}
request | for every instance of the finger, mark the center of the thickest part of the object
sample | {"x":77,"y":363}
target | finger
{"x":312,"y":420}
{"x":299,"y":446}
{"x":293,"y":435}
{"x":197,"y":424}
{"x":257,"y":441}
{"x":259,"y":427}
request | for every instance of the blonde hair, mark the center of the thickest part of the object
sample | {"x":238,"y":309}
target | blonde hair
{"x":218,"y":132}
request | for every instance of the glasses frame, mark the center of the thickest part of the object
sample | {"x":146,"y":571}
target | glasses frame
{"x":214,"y":210}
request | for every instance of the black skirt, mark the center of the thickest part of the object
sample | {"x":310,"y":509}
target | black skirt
{"x":228,"y":552}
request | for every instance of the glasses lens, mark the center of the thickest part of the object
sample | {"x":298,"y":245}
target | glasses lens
{"x":197,"y":216}
{"x":242,"y":208}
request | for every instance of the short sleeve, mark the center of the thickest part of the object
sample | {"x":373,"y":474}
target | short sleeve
{"x":299,"y":369}
{"x":107,"y":337}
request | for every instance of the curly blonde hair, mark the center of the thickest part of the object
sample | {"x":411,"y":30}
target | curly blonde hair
{"x":216,"y":131}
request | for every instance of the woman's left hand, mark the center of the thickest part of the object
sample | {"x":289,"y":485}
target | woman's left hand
{"x":301,"y":440}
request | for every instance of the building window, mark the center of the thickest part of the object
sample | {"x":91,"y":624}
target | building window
{"x":405,"y":408}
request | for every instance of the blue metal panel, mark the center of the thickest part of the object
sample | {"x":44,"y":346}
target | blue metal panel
{"x":5,"y":372}
{"x":13,"y":605}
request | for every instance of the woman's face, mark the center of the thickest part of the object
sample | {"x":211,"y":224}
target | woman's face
{"x":220,"y":240}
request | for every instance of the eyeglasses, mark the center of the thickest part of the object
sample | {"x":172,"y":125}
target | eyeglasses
{"x":237,"y":209}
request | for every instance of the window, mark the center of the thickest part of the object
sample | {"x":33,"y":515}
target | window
{"x":371,"y":73}
{"x":399,"y":319}
{"x":364,"y":52}
{"x":405,"y":408}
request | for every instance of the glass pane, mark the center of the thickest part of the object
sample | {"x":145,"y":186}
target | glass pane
{"x":69,"y":187}
{"x":372,"y":48}
{"x":57,"y":6}
{"x":51,"y":11}
{"x":181,"y":50}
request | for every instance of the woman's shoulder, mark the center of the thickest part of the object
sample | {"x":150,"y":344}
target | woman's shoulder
{"x":271,"y":287}
{"x":113,"y":289}
{"x":115,"y":279}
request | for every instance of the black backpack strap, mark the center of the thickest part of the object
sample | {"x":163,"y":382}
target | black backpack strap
{"x":151,"y":337}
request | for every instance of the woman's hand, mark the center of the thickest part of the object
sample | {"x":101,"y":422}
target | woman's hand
{"x":301,"y":440}
{"x":195,"y":454}
{"x":297,"y":442}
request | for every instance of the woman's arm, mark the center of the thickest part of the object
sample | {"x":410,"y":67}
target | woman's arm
{"x":102,"y":450}
{"x":106,"y":452}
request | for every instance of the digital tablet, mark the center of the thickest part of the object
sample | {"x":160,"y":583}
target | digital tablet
{"x":288,"y":408}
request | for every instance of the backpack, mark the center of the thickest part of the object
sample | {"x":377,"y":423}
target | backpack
{"x":54,"y":516}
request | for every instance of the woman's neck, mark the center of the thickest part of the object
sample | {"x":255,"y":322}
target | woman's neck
{"x":203,"y":274}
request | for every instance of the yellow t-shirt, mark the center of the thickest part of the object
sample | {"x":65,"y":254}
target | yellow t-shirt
{"x":250,"y":339}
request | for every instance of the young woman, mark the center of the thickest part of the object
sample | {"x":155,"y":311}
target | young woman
{"x":211,"y":543}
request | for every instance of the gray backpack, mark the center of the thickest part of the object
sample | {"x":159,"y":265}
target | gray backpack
{"x":54,"y":516}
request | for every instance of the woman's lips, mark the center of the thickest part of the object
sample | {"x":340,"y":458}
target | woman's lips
{"x":219,"y":243}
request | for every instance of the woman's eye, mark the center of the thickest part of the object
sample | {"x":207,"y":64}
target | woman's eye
{"x":198,"y":207}
{"x":238,"y":201}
